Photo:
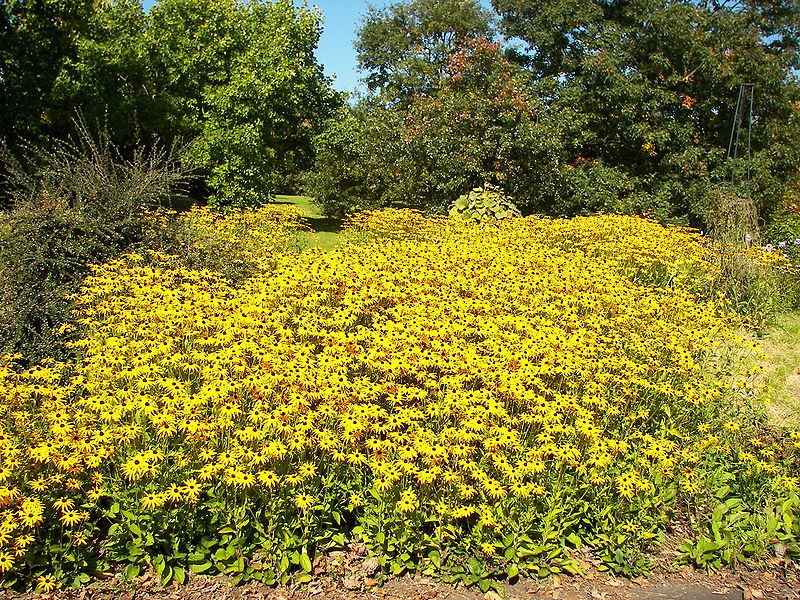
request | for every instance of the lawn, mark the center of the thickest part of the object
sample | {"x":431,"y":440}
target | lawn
{"x":326,"y":231}
{"x":782,"y":370}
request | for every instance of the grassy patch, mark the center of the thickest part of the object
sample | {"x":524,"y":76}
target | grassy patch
{"x":326,"y":231}
{"x":783,"y":370}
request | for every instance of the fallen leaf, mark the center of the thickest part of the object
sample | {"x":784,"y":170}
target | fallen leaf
{"x":350,"y":583}
{"x":757,"y":594}
{"x":598,"y":595}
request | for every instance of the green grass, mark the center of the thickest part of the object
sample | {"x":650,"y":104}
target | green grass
{"x":782,"y":370}
{"x":326,"y":231}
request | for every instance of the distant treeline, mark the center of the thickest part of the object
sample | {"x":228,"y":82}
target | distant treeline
{"x":569,"y":106}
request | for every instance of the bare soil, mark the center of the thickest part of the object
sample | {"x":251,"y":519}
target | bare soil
{"x":780,"y":582}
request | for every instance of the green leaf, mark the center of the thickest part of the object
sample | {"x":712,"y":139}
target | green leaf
{"x":179,"y":575}
{"x":200,"y":567}
{"x":131,"y":572}
{"x":305,"y":563}
{"x":167,"y":574}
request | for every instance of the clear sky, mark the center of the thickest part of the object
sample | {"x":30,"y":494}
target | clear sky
{"x":335,"y":51}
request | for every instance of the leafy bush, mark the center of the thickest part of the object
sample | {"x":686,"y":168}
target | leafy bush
{"x":77,"y":204}
{"x":467,"y":403}
{"x":484,"y":205}
{"x":756,"y":281}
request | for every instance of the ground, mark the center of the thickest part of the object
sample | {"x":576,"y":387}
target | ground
{"x":682,"y":585}
{"x":782,"y":369}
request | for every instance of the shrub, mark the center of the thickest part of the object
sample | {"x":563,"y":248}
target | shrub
{"x":756,"y":281}
{"x":76,"y":204}
{"x":484,"y":205}
{"x":237,"y":243}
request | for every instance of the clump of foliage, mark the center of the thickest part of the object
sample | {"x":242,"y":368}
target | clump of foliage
{"x":602,"y":106}
{"x":237,"y":244}
{"x":243,"y":84}
{"x":484,"y":205}
{"x":77,"y":204}
{"x":469,"y":403}
{"x":756,"y":281}
{"x":424,"y":152}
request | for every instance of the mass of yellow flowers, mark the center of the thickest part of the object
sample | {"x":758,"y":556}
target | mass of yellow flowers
{"x":478,"y":380}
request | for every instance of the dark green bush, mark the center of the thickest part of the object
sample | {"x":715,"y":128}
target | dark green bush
{"x":74,"y":205}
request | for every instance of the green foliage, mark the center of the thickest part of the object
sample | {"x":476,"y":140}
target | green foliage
{"x":427,"y":153}
{"x":647,"y":92}
{"x":484,"y":205}
{"x":246,"y":84}
{"x":405,"y":47}
{"x":237,"y":78}
{"x":743,"y":517}
{"x":37,"y":39}
{"x":78,"y":204}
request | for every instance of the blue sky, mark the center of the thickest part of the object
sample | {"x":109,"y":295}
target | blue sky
{"x":335,"y":51}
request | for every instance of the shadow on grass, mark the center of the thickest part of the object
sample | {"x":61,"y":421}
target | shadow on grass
{"x":324,"y":224}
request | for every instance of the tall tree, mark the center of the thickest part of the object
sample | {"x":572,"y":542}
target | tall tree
{"x":243,"y":81}
{"x":478,"y":122}
{"x":236,"y":78}
{"x":36,"y":39}
{"x":650,"y":88}
{"x":404,"y":48}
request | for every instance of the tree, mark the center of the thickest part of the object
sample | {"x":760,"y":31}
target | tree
{"x":649,"y":89}
{"x":108,"y":79}
{"x":405,"y":48}
{"x":237,"y":79}
{"x":477,"y":123}
{"x":244,"y":83}
{"x":36,"y":39}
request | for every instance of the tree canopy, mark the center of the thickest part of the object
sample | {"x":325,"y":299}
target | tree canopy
{"x":623,"y":105}
{"x":404,"y":48}
{"x":237,"y":80}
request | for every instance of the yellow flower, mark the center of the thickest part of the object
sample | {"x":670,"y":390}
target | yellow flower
{"x":488,"y":548}
{"x":303,"y":501}
{"x":46,"y":583}
{"x":192,"y":490}
{"x":73,"y":517}
{"x":80,"y":538}
{"x":150,"y":500}
{"x":268,"y":479}
{"x":64,"y":504}
{"x":6,"y":561}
